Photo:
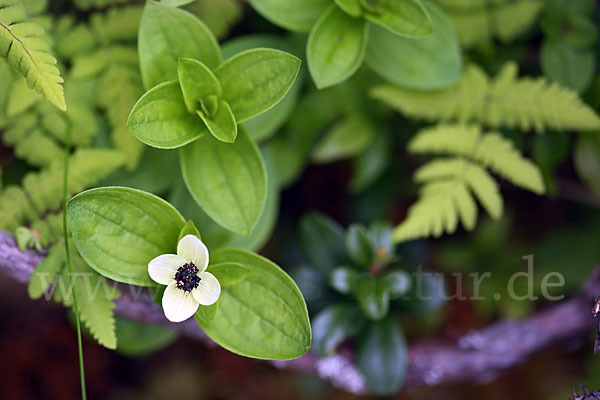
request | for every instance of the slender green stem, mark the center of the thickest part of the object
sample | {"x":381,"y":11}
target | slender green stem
{"x":69,"y":265}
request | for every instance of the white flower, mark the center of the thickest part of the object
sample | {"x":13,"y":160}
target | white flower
{"x":188,"y":283}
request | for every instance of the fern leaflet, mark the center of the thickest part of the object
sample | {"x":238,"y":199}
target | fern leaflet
{"x":27,"y":51}
{"x":492,"y":150}
{"x":95,"y":294}
{"x":510,"y":102}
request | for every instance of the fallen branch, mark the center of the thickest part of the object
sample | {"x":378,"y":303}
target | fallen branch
{"x":477,"y":357}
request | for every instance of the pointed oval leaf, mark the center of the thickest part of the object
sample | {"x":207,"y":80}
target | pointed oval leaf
{"x":382,"y":357}
{"x":294,"y":15}
{"x":333,"y":325}
{"x":227,"y":180}
{"x":401,"y":17}
{"x":264,"y":316}
{"x":222,"y":125}
{"x":160,"y":118}
{"x":119,"y":230}
{"x":197,"y":82}
{"x":336,"y":47}
{"x":255,"y":80}
{"x":427,"y":63}
{"x":168,"y":33}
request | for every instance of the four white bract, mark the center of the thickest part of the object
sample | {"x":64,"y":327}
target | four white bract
{"x":188,"y":283}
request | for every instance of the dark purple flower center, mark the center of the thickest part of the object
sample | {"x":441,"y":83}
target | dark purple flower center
{"x":187,"y":277}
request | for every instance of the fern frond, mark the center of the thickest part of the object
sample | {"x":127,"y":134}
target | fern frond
{"x":39,"y":130}
{"x":23,"y":44}
{"x":42,"y":191}
{"x":115,"y":64}
{"x":478,"y":21}
{"x":95,"y":295}
{"x":526,"y":103}
{"x":491,"y":149}
{"x":447,"y":197}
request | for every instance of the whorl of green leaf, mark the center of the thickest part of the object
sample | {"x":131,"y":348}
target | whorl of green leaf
{"x":506,"y":101}
{"x":491,"y":149}
{"x":478,"y":21}
{"x":23,"y":44}
{"x":42,"y":191}
{"x":94,"y":293}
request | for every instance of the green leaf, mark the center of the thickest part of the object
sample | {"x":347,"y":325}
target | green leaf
{"x":426,"y":294}
{"x":343,"y":279}
{"x":227,"y":180}
{"x":346,"y":139}
{"x":228,"y":273}
{"x":430,"y":62}
{"x":119,"y":230}
{"x":176,"y":3}
{"x":255,"y":80}
{"x":135,"y":339}
{"x":382,"y":357}
{"x":567,"y":65}
{"x":322,"y":240}
{"x":206,"y":314}
{"x":358,"y":246}
{"x":373,"y":296}
{"x":222,"y":124}
{"x":400,"y":17}
{"x":336,"y":47}
{"x":265,"y":125}
{"x":167,"y":34}
{"x":587,"y":161}
{"x":197,"y":82}
{"x":294,"y":15}
{"x":24,"y":44}
{"x":398,"y":283}
{"x":371,"y":163}
{"x":333,"y":325}
{"x":264,"y":316}
{"x":160,"y":118}
{"x":350,"y":7}
{"x":188,"y":229}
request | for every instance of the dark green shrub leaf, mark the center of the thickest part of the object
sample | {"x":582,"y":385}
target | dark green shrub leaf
{"x":135,"y":339}
{"x":401,"y":17}
{"x":336,"y":47}
{"x":294,"y":15}
{"x":382,"y":357}
{"x":264,"y":316}
{"x":568,"y":65}
{"x":119,"y":230}
{"x":322,"y":240}
{"x":373,"y":296}
{"x":333,"y":325}
{"x":358,"y":246}
{"x":430,"y":62}
{"x":160,"y":118}
{"x":346,"y":139}
{"x":343,"y":279}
